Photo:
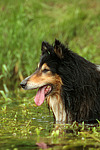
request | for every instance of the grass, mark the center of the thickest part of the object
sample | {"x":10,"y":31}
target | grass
{"x":25,"y":24}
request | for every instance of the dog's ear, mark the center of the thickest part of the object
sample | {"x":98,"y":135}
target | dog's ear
{"x":59,"y":49}
{"x":45,"y":48}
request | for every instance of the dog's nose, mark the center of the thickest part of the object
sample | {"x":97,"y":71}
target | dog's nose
{"x":23,"y":84}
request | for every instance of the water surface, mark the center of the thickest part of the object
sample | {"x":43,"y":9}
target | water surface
{"x":23,"y":125}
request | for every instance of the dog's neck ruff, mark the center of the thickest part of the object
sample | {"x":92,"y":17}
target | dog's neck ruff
{"x":58,"y":108}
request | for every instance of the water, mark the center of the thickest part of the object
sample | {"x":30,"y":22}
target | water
{"x":25,"y":126}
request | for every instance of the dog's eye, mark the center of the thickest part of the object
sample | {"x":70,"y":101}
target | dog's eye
{"x":45,"y":70}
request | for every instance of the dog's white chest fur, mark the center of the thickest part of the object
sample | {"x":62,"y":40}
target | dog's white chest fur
{"x":57,"y":107}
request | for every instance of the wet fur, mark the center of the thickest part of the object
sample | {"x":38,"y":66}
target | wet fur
{"x":76,"y":81}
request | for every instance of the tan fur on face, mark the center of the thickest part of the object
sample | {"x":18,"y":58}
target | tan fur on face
{"x":44,"y":66}
{"x":40,"y":78}
{"x":54,"y":100}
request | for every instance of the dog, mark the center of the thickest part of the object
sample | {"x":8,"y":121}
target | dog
{"x":69,"y":83}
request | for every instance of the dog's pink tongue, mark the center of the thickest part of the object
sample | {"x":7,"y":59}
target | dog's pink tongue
{"x":40,"y":96}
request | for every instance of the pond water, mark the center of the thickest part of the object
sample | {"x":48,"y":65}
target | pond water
{"x":25,"y":126}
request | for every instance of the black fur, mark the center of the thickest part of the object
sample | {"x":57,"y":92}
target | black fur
{"x":81,"y":81}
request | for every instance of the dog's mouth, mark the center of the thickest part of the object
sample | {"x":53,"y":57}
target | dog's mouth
{"x":42,"y":93}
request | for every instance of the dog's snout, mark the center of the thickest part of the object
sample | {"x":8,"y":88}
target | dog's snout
{"x":23,"y":84}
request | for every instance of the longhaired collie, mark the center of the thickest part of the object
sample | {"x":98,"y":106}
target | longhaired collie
{"x":69,"y":83}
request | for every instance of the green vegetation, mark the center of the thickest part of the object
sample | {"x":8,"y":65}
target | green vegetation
{"x":25,"y":126}
{"x":24,"y":24}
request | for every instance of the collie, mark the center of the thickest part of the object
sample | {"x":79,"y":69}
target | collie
{"x":69,"y":83}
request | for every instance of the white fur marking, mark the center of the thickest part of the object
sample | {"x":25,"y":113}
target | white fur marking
{"x":58,"y":108}
{"x":98,"y":67}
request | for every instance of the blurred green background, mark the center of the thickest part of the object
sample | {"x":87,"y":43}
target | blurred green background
{"x":24,"y":24}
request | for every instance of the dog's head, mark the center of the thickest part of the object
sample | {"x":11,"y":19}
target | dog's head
{"x":46,"y":77}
